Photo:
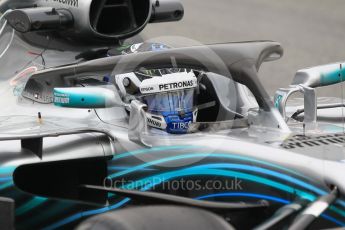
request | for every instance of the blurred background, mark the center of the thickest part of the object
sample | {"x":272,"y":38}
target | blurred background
{"x":312,"y":32}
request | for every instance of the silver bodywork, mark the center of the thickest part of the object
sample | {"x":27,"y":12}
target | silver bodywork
{"x":111,"y":132}
{"x":306,"y":157}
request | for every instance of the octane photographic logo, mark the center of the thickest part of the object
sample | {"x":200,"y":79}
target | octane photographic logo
{"x":180,"y":184}
{"x":212,"y":66}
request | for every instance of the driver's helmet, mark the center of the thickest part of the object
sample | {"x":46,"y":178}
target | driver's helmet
{"x":169,"y":97}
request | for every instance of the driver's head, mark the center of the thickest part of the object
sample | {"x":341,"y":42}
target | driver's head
{"x":170,"y":101}
{"x":169,"y":98}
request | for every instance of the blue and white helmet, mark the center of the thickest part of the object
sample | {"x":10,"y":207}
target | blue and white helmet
{"x":170,"y":101}
{"x":170,"y":98}
{"x":168,"y":93}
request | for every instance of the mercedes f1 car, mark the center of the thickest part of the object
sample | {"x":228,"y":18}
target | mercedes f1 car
{"x":100,"y":132}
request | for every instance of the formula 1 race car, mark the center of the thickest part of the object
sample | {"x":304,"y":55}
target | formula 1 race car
{"x":100,"y":132}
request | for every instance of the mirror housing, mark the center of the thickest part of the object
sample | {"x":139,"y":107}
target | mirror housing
{"x":320,"y":76}
{"x":310,"y":102}
{"x":86,"y":98}
{"x":166,"y":11}
{"x":38,"y":19}
{"x":305,"y":81}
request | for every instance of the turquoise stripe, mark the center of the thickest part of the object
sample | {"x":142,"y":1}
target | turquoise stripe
{"x":6,"y":185}
{"x":332,"y":219}
{"x":244,"y":194}
{"x":66,"y":97}
{"x":263,"y":171}
{"x":332,"y":77}
{"x":153,"y":181}
{"x":199,"y":155}
{"x":3,"y":179}
{"x":266,"y":197}
{"x":7,"y":169}
{"x":337,"y":210}
{"x":33,"y":203}
{"x":188,"y":172}
{"x":51,"y":213}
{"x":158,"y":179}
{"x":85,"y":214}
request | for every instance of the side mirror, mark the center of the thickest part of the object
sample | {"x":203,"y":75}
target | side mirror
{"x":305,"y":81}
{"x":319,"y":76}
{"x":310,"y":103}
{"x":39,"y":18}
{"x":166,"y":11}
{"x":86,"y":98}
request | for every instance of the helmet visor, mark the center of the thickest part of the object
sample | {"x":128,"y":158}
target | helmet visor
{"x":172,"y":102}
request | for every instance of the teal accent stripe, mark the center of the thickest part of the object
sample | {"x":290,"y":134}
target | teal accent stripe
{"x":6,"y":173}
{"x":7,"y":169}
{"x":337,"y":210}
{"x":51,"y":213}
{"x":200,"y":155}
{"x":277,"y":101}
{"x":332,"y":219}
{"x":266,"y":197}
{"x":33,"y":203}
{"x":262,"y":171}
{"x":79,"y":100}
{"x":243,"y":194}
{"x":6,"y":185}
{"x":85,"y":214}
{"x":332,"y":77}
{"x":3,"y":179}
{"x":158,"y":179}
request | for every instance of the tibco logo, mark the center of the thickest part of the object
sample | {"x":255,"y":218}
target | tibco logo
{"x":74,"y":3}
{"x":181,"y":125}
